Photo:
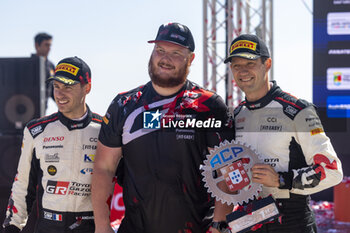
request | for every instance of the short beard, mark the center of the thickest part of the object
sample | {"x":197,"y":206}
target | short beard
{"x":172,"y":81}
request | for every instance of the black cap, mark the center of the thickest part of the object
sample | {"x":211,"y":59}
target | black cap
{"x":72,"y":70}
{"x":248,"y":46}
{"x":175,"y":33}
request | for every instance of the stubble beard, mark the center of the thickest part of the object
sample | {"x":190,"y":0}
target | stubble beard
{"x":169,"y":81}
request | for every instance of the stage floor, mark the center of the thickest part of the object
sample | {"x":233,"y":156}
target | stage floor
{"x":326,"y":223}
{"x":324,"y":212}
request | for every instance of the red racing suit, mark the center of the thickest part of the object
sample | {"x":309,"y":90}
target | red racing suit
{"x":55,"y":167}
{"x":289,"y":136}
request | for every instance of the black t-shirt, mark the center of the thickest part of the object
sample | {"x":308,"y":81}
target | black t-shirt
{"x":162,"y":181}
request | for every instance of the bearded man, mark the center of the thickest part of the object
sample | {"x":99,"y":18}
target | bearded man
{"x":161,"y":133}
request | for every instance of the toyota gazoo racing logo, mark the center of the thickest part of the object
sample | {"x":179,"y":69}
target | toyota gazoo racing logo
{"x":57,"y":187}
{"x":68,"y":188}
{"x":155,"y":120}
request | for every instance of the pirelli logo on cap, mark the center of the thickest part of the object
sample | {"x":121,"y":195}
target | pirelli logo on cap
{"x":243,"y":44}
{"x":67,"y":68}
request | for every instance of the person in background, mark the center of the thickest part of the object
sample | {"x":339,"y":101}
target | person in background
{"x":162,"y":183}
{"x":298,"y":157}
{"x":42,"y":43}
{"x":57,"y":158}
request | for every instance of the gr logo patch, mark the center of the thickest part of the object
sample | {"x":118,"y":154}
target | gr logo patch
{"x":57,"y":187}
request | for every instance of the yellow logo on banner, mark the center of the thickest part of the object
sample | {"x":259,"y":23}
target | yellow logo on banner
{"x":245,"y":44}
{"x":316,"y":131}
{"x":67,"y":68}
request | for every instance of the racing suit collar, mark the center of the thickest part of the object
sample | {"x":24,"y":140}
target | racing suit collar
{"x":264,"y":100}
{"x":71,"y":124}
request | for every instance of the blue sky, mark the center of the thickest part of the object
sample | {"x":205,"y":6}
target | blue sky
{"x":111,"y":36}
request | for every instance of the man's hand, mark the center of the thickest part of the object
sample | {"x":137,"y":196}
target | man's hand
{"x":265,"y":174}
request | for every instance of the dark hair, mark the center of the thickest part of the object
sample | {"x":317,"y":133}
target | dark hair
{"x":40,"y":37}
{"x":263,"y":59}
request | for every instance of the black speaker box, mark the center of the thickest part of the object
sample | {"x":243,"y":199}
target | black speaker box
{"x":10,"y":151}
{"x":22,"y":92}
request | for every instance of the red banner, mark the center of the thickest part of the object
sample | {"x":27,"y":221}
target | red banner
{"x":117,"y":204}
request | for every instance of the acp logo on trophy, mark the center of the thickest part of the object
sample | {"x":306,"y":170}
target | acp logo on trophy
{"x":227,"y":175}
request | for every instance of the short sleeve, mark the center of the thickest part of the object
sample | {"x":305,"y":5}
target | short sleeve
{"x":111,"y":129}
{"x":220,"y":112}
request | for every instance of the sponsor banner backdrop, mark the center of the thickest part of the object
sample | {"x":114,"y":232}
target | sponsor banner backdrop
{"x":338,"y":78}
{"x":331,"y":77}
{"x":331,"y":54}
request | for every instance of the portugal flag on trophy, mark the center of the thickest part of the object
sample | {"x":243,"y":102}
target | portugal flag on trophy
{"x":235,"y":176}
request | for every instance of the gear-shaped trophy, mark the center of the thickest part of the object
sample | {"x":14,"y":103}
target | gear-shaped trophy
{"x":227,"y":173}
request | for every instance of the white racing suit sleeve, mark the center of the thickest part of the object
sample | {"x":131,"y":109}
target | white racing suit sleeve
{"x":22,"y":194}
{"x":325,"y":169}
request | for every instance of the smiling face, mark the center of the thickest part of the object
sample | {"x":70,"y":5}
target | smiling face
{"x":70,"y":99}
{"x":251,"y":76}
{"x":169,"y":64}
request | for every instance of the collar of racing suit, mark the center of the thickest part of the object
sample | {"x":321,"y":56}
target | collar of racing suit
{"x":72,"y":124}
{"x":271,"y":94}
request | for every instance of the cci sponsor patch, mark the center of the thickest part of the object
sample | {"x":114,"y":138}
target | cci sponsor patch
{"x":243,"y":44}
{"x":270,"y":127}
{"x":69,"y":68}
{"x":316,"y":131}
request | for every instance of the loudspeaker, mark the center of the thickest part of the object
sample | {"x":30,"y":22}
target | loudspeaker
{"x":22,"y":92}
{"x":10,"y":151}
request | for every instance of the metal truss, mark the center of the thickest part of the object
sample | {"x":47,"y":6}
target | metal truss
{"x":223,"y":20}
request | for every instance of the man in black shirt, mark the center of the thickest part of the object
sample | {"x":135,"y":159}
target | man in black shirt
{"x":162,"y":130}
